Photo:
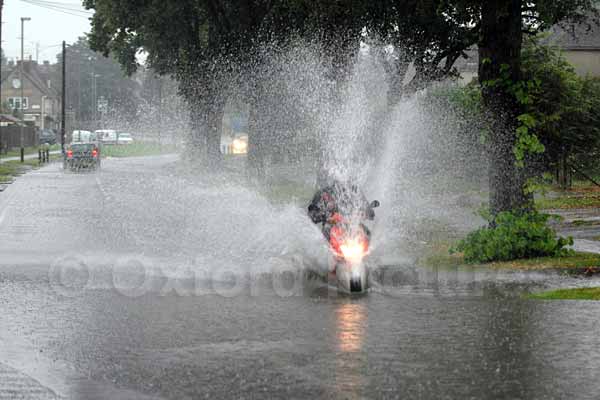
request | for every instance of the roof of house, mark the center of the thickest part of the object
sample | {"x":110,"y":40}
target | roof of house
{"x":36,"y":77}
{"x":9,"y":118}
{"x":585,"y":36}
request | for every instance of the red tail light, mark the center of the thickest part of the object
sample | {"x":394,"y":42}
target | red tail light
{"x":69,"y":153}
{"x":94,"y":153}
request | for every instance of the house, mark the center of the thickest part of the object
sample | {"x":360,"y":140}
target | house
{"x":41,"y":99}
{"x":468,"y":66}
{"x":580,"y":45}
{"x":9,"y":120}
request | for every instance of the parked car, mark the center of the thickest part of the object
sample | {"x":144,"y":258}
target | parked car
{"x":47,"y":136}
{"x":106,"y":136}
{"x":82,"y":155}
{"x":124,"y":138}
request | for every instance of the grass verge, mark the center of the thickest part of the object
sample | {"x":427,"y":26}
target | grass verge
{"x":11,"y":169}
{"x":137,"y":150}
{"x":28,"y":151}
{"x":587,"y":200}
{"x":581,"y":195}
{"x":568,"y":294}
{"x":440,"y":257}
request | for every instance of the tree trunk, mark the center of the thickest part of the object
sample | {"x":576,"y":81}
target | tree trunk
{"x":396,"y":82}
{"x":195,"y":149}
{"x":500,"y":50}
{"x":256,"y":163}
{"x":214,"y":122}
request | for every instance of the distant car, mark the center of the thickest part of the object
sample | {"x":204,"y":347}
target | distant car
{"x":47,"y":136}
{"x":79,"y":136}
{"x":124,"y":138}
{"x":106,"y":136}
{"x":240,"y":145}
{"x":82,"y":155}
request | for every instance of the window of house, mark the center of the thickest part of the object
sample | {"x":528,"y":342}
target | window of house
{"x":15,"y":103}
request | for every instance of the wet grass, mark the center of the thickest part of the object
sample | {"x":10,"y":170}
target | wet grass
{"x":439,"y":257}
{"x":569,"y":202}
{"x":582,"y":222}
{"x":11,"y":169}
{"x":137,"y":150}
{"x":568,"y":294}
{"x":5,"y":178}
{"x":28,"y":151}
{"x":581,"y":195}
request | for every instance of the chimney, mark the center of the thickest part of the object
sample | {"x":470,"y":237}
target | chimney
{"x":46,"y":63}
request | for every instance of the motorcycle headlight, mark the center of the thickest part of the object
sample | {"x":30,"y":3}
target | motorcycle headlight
{"x":353,"y":250}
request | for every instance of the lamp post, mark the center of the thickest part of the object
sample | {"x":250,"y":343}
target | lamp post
{"x":23,"y":19}
{"x":43,"y":121}
{"x":95,"y":92}
{"x":92,"y":60}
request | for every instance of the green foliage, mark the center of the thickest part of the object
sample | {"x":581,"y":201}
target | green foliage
{"x":569,"y":294}
{"x":137,"y":149}
{"x":563,"y":111}
{"x":525,"y":92}
{"x":514,"y":235}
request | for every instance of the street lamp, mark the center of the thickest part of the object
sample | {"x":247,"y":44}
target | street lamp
{"x":93,"y":75}
{"x":95,"y":95}
{"x":44,"y":112}
{"x":23,"y":19}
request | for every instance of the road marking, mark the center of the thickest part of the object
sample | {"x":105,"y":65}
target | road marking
{"x":102,"y":190}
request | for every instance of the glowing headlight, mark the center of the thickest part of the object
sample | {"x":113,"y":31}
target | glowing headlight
{"x":353,"y":250}
{"x":240,"y":146}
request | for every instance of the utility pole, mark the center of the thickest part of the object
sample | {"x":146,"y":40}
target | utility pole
{"x":1,"y":7}
{"x":63,"y":128}
{"x":160,"y":89}
{"x":23,"y":19}
{"x":78,"y":112}
{"x":95,"y":99}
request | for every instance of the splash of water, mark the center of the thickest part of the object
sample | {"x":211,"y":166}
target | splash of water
{"x":402,"y":156}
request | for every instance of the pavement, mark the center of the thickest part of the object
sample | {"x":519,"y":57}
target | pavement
{"x":27,"y":156}
{"x":581,"y":224}
{"x":141,"y":281}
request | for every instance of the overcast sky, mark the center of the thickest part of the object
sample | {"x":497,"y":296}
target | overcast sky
{"x":47,"y":27}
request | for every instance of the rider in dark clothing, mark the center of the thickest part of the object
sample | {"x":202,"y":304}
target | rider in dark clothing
{"x":342,"y":198}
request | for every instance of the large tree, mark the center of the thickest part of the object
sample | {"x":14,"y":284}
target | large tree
{"x":206,"y":43}
{"x":423,"y":35}
{"x":182,"y":38}
{"x":500,"y":26}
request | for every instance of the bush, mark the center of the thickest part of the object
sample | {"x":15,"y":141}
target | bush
{"x":515,"y":235}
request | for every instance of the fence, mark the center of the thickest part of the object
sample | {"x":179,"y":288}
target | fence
{"x":10,"y":137}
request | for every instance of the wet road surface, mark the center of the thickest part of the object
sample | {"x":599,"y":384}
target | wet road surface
{"x":139,"y":283}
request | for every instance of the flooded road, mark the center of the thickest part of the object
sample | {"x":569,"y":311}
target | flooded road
{"x":119,"y":285}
